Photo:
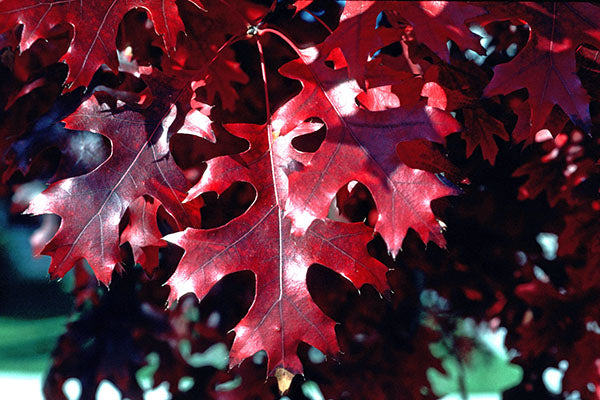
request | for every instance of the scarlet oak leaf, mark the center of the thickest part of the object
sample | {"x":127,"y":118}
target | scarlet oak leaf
{"x":208,"y":27}
{"x":434,"y":24}
{"x":361,"y":145}
{"x":479,"y":128}
{"x":261,"y":240}
{"x":92,"y":205}
{"x":405,"y":79}
{"x":422,"y":154}
{"x":378,"y":99}
{"x":95,"y":23}
{"x":557,"y":172}
{"x":143,"y":234}
{"x":457,"y":85}
{"x":546,"y":65}
{"x":358,"y":20}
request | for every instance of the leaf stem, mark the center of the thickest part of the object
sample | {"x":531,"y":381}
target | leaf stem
{"x":282,"y":36}
{"x":264,"y":77}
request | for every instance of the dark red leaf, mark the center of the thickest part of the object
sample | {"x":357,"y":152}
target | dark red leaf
{"x":360,"y":145}
{"x":261,"y":240}
{"x":91,"y":206}
{"x":546,"y":65}
{"x":95,"y":23}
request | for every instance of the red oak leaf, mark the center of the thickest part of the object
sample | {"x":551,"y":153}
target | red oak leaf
{"x":522,"y":130}
{"x":546,"y":65}
{"x":555,"y":122}
{"x":378,"y":99}
{"x":91,"y":206}
{"x":95,"y":23}
{"x":261,"y":240}
{"x":360,"y":145}
{"x":359,"y":21}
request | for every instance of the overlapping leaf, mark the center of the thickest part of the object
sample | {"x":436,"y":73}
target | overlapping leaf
{"x":360,"y":145}
{"x":557,"y":172}
{"x":208,"y":27}
{"x":434,"y":23}
{"x":143,"y":234}
{"x":261,"y":240}
{"x":91,"y":206}
{"x":546,"y":65}
{"x":95,"y":23}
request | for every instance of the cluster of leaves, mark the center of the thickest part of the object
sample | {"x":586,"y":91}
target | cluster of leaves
{"x":297,"y":151}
